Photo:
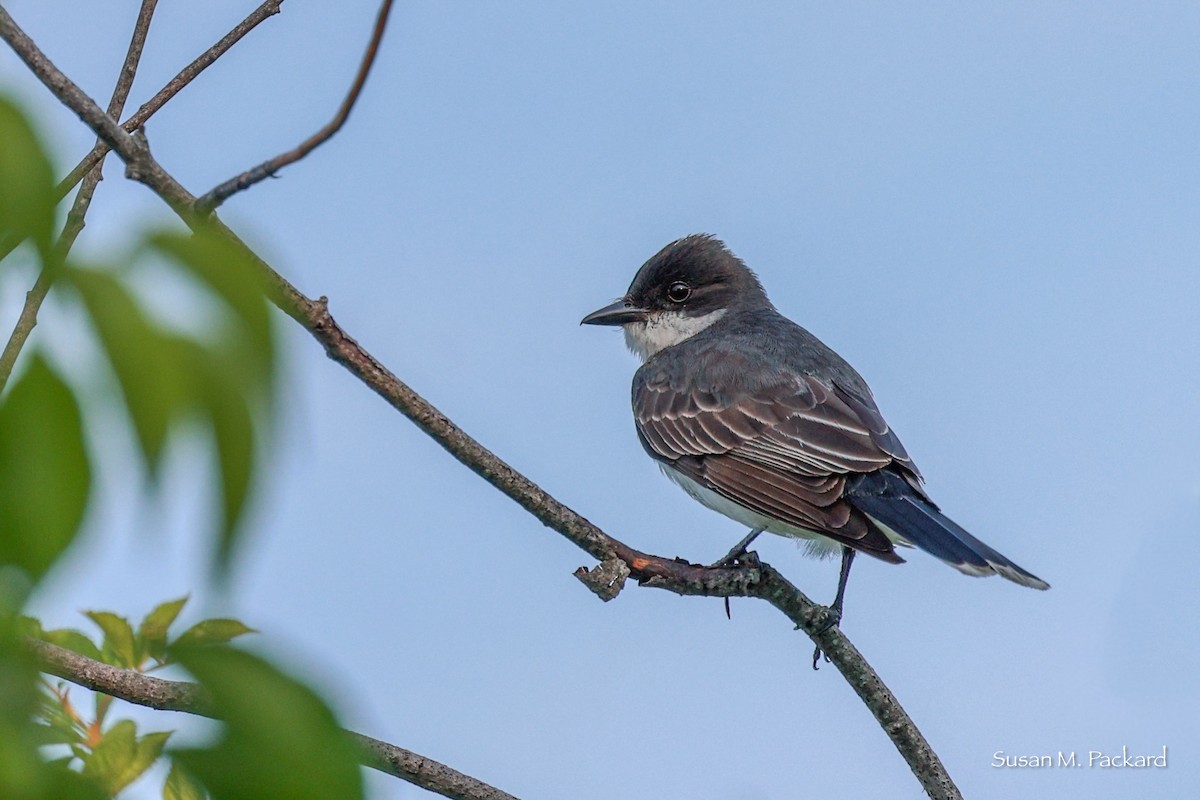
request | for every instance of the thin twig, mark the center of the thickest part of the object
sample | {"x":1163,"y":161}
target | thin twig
{"x":133,"y":57}
{"x":751,"y":580}
{"x":83,"y":200}
{"x":267,"y":169}
{"x":191,"y":698}
{"x":25,"y":323}
{"x":151,"y":106}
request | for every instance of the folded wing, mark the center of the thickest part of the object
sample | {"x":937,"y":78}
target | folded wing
{"x":784,"y":450}
{"x":813,"y":454}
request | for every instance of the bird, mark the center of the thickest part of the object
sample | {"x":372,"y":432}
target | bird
{"x":757,"y":419}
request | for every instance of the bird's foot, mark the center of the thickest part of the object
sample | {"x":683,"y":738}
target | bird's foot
{"x":737,"y":559}
{"x":743,"y":559}
{"x":740,"y":552}
{"x":833,"y":617}
{"x":731,"y":558}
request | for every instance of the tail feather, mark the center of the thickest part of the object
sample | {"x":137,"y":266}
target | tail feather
{"x":889,"y":501}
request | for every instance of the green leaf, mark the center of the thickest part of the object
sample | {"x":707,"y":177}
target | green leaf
{"x":233,"y":435}
{"x":67,"y":728}
{"x":54,"y":781}
{"x":45,"y":476}
{"x":137,"y":349}
{"x":152,"y":633}
{"x":279,"y":739}
{"x":45,"y":734}
{"x":103,"y":704}
{"x":27,"y":196}
{"x":182,"y":786}
{"x":72,"y":640}
{"x":65,"y":784}
{"x":28,"y":626}
{"x":148,"y":750}
{"x":61,"y":729}
{"x":24,"y":773}
{"x":212,"y":631}
{"x":165,"y":376}
{"x":112,"y":757}
{"x":230,"y":272}
{"x":121,"y":757}
{"x":119,"y":648}
{"x":232,"y":418}
{"x":50,"y":710}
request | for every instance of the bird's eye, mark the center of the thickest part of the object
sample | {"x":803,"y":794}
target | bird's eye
{"x":678,"y":292}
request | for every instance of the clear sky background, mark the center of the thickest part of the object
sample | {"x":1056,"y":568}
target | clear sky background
{"x":992,"y":212}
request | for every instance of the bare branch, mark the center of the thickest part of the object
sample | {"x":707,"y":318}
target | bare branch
{"x":185,"y":76}
{"x":75,"y":217}
{"x":25,"y":324}
{"x":133,"y":56}
{"x":267,"y":169}
{"x":749,"y":580}
{"x":151,"y":106}
{"x":189,"y":73}
{"x":190,"y":698}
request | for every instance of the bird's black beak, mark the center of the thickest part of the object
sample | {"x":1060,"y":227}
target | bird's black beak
{"x":619,"y":313}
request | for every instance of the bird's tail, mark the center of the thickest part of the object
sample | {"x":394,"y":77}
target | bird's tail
{"x":894,"y":505}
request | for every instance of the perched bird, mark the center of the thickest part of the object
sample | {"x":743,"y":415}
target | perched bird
{"x":758,"y":419}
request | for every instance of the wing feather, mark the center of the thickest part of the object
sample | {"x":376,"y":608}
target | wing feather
{"x":725,"y":437}
{"x":809,"y":425}
{"x":783,"y":450}
{"x":816,"y":506}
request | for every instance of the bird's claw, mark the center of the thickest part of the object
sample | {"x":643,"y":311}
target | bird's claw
{"x":833,"y":616}
{"x":746,"y":558}
{"x":817,"y":653}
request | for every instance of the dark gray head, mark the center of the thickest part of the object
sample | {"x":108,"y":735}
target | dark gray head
{"x":684,"y":288}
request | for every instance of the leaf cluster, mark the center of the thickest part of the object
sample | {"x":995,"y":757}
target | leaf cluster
{"x":278,"y":739}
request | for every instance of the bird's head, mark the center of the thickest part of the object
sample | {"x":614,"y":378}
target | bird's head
{"x":686,"y":287}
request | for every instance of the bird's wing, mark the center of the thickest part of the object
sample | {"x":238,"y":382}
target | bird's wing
{"x":783,"y":450}
{"x":807,"y":426}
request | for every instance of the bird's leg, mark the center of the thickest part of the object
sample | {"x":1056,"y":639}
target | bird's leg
{"x":738,"y":550}
{"x":847,"y":560}
{"x":733,"y":555}
{"x":836,"y":608}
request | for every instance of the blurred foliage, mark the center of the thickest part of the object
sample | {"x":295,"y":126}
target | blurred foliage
{"x":45,"y":474}
{"x":27,"y":197}
{"x":278,"y":738}
{"x":169,"y":380}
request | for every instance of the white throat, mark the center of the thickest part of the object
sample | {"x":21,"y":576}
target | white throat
{"x":665,"y":329}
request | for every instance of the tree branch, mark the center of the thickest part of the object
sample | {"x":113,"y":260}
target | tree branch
{"x":190,"y":698}
{"x":25,"y":324}
{"x":151,"y":106}
{"x":83,"y":200}
{"x":749,"y":580}
{"x":267,"y":169}
{"x":133,"y":56}
{"x":185,"y":76}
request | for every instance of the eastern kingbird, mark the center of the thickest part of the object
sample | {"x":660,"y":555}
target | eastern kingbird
{"x":756,"y":418}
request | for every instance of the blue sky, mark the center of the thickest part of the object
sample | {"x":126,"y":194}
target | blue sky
{"x":993,"y":213}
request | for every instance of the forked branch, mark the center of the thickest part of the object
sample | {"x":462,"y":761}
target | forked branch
{"x":151,"y":106}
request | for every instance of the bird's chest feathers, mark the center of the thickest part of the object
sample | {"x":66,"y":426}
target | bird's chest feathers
{"x":666,"y":329}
